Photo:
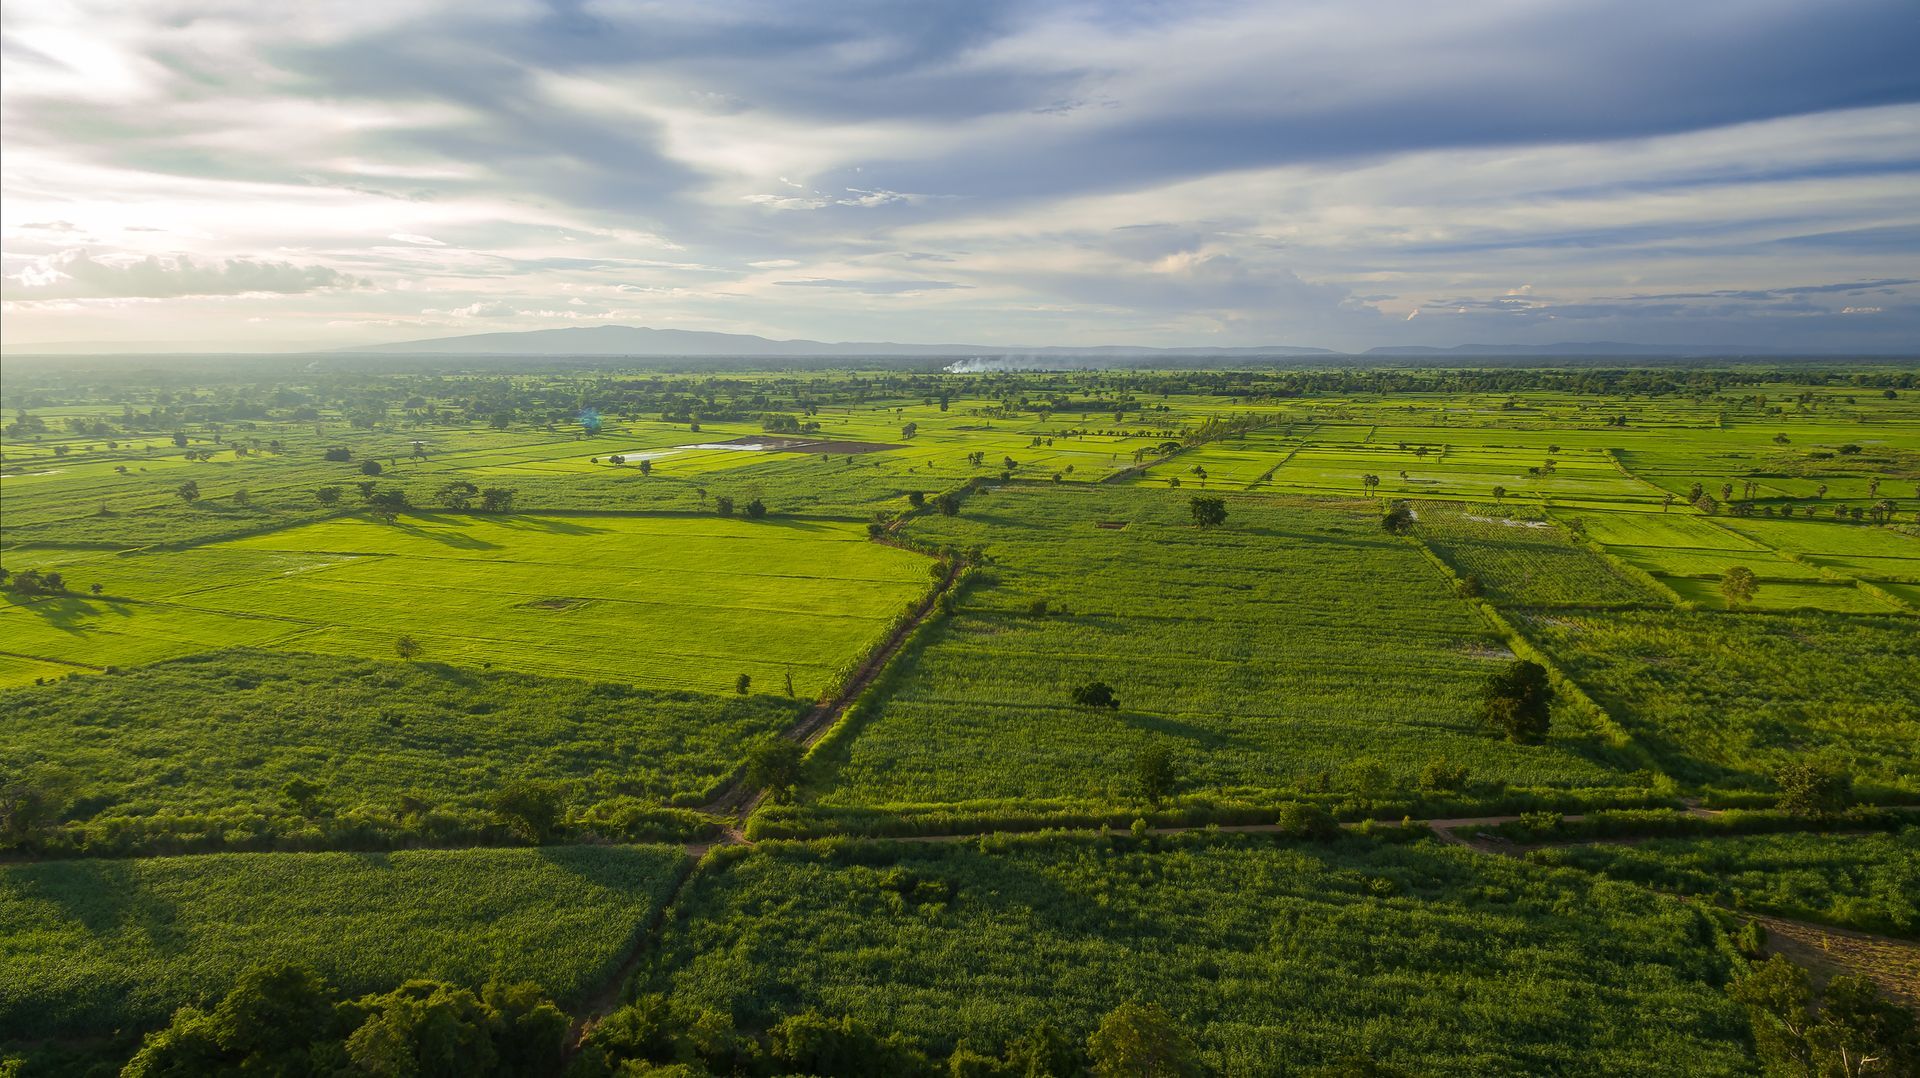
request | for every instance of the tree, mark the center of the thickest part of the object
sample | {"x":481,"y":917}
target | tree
{"x":1207,"y":512}
{"x":96,"y":588}
{"x":371,"y":467}
{"x":1515,"y":702}
{"x":1499,"y":493}
{"x":756,"y":509}
{"x":646,"y":466}
{"x":532,"y":809}
{"x":338,"y":453}
{"x":189,"y":492}
{"x":388,"y":504}
{"x":1469,"y":587}
{"x":303,"y":794}
{"x":917,"y":498}
{"x":327,"y":495}
{"x":1738,"y":584}
{"x":773,"y":765}
{"x":1398,"y":519}
{"x":1153,"y":775}
{"x":1852,"y":1031}
{"x":1859,"y":1032}
{"x":1094,"y":693}
{"x":1140,"y":1040}
{"x":948,"y":504}
{"x":458,"y":494}
{"x":497,"y":499}
{"x":1813,"y":788}
{"x":24,"y":809}
{"x":1777,"y":995}
{"x":723,"y":505}
{"x":407,"y":647}
{"x":743,"y":684}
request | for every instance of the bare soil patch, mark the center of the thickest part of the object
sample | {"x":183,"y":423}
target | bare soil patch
{"x":1893,"y":964}
{"x":775,"y":443}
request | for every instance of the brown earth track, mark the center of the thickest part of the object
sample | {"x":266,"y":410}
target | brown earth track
{"x":736,"y":799}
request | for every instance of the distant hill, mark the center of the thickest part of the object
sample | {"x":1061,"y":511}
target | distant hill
{"x":642,"y":341}
{"x":1572,"y":348}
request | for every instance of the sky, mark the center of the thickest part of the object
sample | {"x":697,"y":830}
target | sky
{"x":1345,"y":174}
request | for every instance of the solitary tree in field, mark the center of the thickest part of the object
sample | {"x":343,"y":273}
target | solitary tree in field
{"x":1499,"y":493}
{"x":1095,"y":694}
{"x":773,"y":765}
{"x":723,"y":505}
{"x":1666,"y":503}
{"x":1738,"y":584}
{"x":646,"y":466}
{"x":1153,"y":773}
{"x":742,"y":684}
{"x":327,"y":495}
{"x":458,"y":494}
{"x":388,"y":504}
{"x":1397,"y":519}
{"x":532,"y":809}
{"x":407,"y":647}
{"x":189,"y":492}
{"x":1208,"y":512}
{"x":96,"y":588}
{"x":1141,"y":1040}
{"x":948,"y":503}
{"x":1515,"y":702}
{"x":497,"y":499}
{"x":370,"y":467}
{"x":1813,"y":788}
{"x":303,"y":794}
{"x":756,"y":509}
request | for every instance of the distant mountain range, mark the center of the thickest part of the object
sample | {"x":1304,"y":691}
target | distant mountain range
{"x":641,"y":341}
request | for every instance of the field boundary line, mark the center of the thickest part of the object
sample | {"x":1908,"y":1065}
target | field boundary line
{"x":50,"y":659}
{"x":736,"y":799}
{"x":1525,"y":648}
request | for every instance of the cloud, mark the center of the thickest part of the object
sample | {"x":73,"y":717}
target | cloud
{"x":75,"y":275}
{"x":1230,"y":171}
{"x":874,"y":288}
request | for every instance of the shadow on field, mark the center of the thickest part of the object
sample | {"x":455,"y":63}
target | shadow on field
{"x":104,"y":896}
{"x":444,"y":537}
{"x":557,"y":525}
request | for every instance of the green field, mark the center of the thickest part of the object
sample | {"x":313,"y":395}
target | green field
{"x":1293,"y":640}
{"x":95,"y":945}
{"x":199,"y":751}
{"x":659,"y":601}
{"x":1865,"y":882}
{"x":1273,"y":955}
{"x":384,"y":669}
{"x":1729,"y":697}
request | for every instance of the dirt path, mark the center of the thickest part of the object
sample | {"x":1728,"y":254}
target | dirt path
{"x":737,"y":799}
{"x":1893,"y":964}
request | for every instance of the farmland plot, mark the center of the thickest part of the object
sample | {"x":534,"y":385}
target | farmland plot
{"x":1274,"y":956}
{"x":688,"y":603}
{"x":1289,"y":642}
{"x":1727,"y":698}
{"x":222,"y":735}
{"x":92,"y":946}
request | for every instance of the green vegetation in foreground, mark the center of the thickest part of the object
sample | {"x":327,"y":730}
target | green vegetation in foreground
{"x":1728,"y":698}
{"x":668,"y":602}
{"x":96,"y":945}
{"x":1271,"y":954}
{"x":1869,"y":882}
{"x":262,"y":750}
{"x":1296,"y":646}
